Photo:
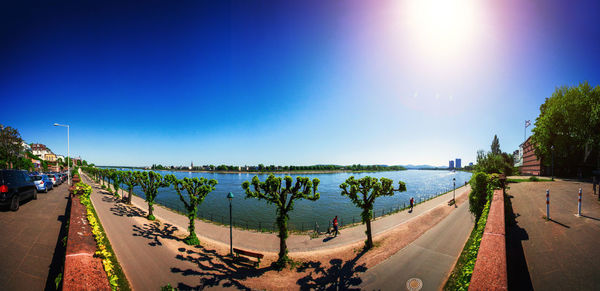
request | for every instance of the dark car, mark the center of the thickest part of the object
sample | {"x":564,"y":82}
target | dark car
{"x":15,"y":186}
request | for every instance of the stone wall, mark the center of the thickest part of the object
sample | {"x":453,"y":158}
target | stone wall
{"x":490,"y":272}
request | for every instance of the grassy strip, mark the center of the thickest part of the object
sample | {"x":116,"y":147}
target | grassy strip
{"x":114,"y":272}
{"x":460,"y":278}
{"x":530,"y":179}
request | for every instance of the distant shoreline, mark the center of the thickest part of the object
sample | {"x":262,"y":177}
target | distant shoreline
{"x":283,"y":172}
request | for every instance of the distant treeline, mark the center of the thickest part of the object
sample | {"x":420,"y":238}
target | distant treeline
{"x":273,"y":168}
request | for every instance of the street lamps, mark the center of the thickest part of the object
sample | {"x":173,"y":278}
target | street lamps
{"x":454,"y":191}
{"x":552,"y":148}
{"x":68,"y":153}
{"x":230,"y":197}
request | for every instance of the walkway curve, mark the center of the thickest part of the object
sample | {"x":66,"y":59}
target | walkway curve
{"x":269,"y":242}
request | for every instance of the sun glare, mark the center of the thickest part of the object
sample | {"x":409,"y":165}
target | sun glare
{"x":442,"y":28}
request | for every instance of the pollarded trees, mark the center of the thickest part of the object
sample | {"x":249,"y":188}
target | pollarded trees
{"x":273,"y":192}
{"x":197,"y":190}
{"x":116,"y":181}
{"x":109,"y":176}
{"x":150,"y":182}
{"x":129,"y":179}
{"x":363,"y":193}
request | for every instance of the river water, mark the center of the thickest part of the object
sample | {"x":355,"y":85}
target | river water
{"x":257,"y":214}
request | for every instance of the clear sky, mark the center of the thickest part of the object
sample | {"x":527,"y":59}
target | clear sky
{"x":288,"y":82}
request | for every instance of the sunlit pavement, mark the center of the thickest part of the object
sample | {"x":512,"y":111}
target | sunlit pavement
{"x":28,"y":240}
{"x":563,"y":253}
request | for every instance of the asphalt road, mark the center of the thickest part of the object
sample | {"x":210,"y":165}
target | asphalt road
{"x":32,"y":252}
{"x":430,"y":258}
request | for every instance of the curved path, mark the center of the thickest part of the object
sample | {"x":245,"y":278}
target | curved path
{"x":429,"y":258}
{"x":269,"y":242}
{"x":152,"y":256}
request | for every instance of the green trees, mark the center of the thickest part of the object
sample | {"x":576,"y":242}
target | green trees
{"x":569,"y":121}
{"x":480,"y":191}
{"x":495,"y":146}
{"x":197,"y":190}
{"x":10,"y":146}
{"x":495,"y":161}
{"x":363,"y":193}
{"x":150,"y":182}
{"x":274,"y":192}
{"x":116,"y":181}
{"x":130,"y":180}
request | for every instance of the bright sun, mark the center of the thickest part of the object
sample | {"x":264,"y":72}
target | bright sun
{"x":442,"y":28}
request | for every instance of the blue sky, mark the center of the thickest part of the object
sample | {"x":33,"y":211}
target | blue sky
{"x":299,"y":82}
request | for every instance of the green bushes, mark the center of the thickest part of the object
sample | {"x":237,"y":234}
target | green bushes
{"x":480,"y":190}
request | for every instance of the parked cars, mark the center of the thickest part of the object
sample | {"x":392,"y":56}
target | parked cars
{"x":15,"y":186}
{"x":42,"y":182}
{"x":52,"y":178}
{"x":58,"y":178}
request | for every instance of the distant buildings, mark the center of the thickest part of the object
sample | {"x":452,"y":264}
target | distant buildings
{"x":451,"y":164}
{"x":458,"y":165}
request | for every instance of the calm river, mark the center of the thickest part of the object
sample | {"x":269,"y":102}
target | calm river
{"x":255,"y":214}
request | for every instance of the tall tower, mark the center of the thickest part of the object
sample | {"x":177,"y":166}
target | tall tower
{"x":458,"y":163}
{"x":192,"y":165}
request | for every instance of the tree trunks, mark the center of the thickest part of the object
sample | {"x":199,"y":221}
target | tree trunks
{"x":369,"y":243}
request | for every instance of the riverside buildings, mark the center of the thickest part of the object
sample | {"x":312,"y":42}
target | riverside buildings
{"x":529,"y":164}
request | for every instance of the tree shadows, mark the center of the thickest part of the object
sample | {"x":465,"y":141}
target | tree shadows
{"x":216,"y":270}
{"x":155,"y":232}
{"x":339,"y":276}
{"x":120,"y":209}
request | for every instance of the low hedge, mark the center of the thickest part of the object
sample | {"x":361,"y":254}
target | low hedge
{"x":460,"y":277}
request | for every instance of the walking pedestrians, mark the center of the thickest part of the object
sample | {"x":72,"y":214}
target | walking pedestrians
{"x":335,"y":226}
{"x":412,"y":203}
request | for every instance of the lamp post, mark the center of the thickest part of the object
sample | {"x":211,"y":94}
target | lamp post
{"x":68,"y":153}
{"x":230,"y":197}
{"x":454,"y":191}
{"x":552,"y":148}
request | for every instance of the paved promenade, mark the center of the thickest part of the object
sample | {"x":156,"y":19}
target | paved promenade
{"x":32,"y":253}
{"x":152,"y":256}
{"x":268,"y":242}
{"x":430,"y":258}
{"x":560,"y":254}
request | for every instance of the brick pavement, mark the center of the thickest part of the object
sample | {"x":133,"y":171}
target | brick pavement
{"x":560,"y":254}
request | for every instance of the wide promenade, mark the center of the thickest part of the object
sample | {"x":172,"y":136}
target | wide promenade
{"x":152,"y":254}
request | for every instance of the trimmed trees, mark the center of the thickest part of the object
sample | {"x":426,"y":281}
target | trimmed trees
{"x":274,"y":192}
{"x":197,"y":189}
{"x":363,"y":193}
{"x":150,"y":182}
{"x":130,"y":180}
{"x":116,"y":181}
